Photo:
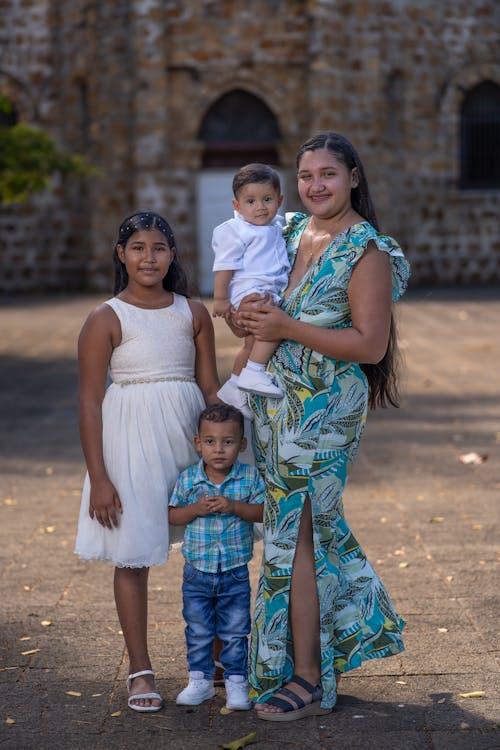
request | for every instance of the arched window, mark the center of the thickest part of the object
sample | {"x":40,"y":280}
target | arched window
{"x":239,"y":128}
{"x":480,"y":137}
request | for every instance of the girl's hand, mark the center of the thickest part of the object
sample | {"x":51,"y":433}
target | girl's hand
{"x":265,"y":321}
{"x":104,"y":503}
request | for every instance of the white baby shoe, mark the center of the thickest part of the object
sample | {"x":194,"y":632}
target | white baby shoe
{"x":258,"y":382}
{"x":231,"y":394}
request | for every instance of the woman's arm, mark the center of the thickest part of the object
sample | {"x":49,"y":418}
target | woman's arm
{"x":370,"y":301}
{"x":99,"y":335}
{"x":204,"y":339}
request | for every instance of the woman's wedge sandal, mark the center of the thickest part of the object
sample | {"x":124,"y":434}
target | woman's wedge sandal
{"x":288,"y":712}
{"x":143,"y":696}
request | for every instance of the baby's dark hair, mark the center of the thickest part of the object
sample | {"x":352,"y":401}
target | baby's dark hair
{"x":255,"y":173}
{"x":176,"y":279}
{"x":222,"y":413}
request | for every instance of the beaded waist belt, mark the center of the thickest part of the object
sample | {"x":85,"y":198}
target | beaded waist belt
{"x":168,"y":379}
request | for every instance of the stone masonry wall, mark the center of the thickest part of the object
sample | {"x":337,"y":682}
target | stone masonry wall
{"x":128,"y":82}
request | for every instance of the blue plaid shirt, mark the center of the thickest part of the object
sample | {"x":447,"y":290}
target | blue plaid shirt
{"x":218,"y":539}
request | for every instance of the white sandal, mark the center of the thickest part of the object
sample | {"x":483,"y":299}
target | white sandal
{"x":140,"y":696}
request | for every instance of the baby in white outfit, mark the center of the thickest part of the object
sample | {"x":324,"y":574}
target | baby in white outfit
{"x":250,"y":256}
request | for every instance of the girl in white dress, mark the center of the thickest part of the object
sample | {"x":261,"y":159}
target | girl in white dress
{"x":137,"y":435}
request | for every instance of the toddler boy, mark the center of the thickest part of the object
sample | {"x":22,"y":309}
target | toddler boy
{"x":218,"y":499}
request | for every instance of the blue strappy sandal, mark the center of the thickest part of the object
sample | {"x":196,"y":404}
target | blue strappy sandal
{"x":288,"y":712}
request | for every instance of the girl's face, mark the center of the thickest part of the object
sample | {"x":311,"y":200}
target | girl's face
{"x":324,"y":184}
{"x":147,"y":256}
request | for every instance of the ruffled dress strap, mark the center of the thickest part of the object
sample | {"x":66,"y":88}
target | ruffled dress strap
{"x":357,"y":238}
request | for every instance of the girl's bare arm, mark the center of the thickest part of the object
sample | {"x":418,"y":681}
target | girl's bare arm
{"x":99,"y":335}
{"x":205,"y":365}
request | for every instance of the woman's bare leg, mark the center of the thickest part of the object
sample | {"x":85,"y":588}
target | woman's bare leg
{"x":303,"y":613}
{"x":131,"y":597}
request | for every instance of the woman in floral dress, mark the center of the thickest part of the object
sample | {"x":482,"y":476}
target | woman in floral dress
{"x":321,"y":609}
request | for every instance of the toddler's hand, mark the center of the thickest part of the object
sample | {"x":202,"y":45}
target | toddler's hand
{"x":221,"y":504}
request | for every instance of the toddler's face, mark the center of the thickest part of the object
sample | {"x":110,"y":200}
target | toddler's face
{"x":219,"y":444}
{"x":258,"y":203}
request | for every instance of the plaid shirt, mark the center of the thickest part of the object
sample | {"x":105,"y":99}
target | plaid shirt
{"x":218,"y":539}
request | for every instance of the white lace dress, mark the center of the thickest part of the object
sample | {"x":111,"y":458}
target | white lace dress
{"x":150,"y":414}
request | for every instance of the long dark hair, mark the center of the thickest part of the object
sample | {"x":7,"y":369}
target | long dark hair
{"x":175,"y":279}
{"x":383,"y":378}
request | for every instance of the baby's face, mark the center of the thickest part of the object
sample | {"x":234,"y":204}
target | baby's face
{"x":258,"y":203}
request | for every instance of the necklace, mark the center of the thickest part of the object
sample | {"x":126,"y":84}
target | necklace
{"x":314,"y":246}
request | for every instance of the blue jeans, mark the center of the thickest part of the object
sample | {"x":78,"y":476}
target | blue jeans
{"x":216,"y":604}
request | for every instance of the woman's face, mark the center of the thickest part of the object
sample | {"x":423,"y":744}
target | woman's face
{"x":324,"y":184}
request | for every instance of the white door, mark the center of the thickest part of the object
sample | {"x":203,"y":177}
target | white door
{"x":214,"y":194}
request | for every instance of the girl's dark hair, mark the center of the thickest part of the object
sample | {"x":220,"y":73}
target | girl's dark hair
{"x":176,"y":279}
{"x":382,"y":377}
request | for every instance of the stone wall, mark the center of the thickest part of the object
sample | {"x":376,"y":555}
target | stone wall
{"x":128,"y":83}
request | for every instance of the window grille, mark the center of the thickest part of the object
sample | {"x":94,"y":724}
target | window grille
{"x":480,"y":137}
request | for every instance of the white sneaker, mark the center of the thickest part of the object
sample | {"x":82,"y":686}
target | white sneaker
{"x":258,"y":382}
{"x":231,"y":394}
{"x":237,"y":693}
{"x":198,"y":690}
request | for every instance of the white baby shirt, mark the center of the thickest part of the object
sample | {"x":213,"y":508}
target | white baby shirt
{"x":257,"y":256}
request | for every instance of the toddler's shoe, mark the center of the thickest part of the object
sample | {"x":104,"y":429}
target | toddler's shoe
{"x":198,"y":690}
{"x":237,"y":693}
{"x":231,"y":394}
{"x":259,"y":383}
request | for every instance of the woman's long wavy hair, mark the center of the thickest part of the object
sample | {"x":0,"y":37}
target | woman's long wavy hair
{"x":383,"y":378}
{"x":175,"y":279}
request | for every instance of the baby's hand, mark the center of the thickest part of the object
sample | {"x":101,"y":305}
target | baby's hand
{"x":221,"y":308}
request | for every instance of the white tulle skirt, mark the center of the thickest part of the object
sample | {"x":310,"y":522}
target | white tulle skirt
{"x":148,"y":431}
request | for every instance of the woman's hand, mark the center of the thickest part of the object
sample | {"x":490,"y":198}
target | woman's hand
{"x":264,"y":320}
{"x":104,"y":503}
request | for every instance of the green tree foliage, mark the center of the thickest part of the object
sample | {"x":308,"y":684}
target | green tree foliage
{"x":29,"y":158}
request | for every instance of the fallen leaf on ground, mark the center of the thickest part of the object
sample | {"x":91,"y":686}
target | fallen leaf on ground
{"x":25,"y":638}
{"x":74,"y":693}
{"x":404,"y":564}
{"x":116,"y":713}
{"x":241,"y":742}
{"x":10,"y":501}
{"x":442,"y":700}
{"x":436,"y":519}
{"x":224,"y":711}
{"x":28,"y":653}
{"x":45,"y":623}
{"x":96,"y":695}
{"x":442,"y":630}
{"x":9,"y":721}
{"x":401,"y":682}
{"x":49,"y":529}
{"x":472,"y":458}
{"x":473,"y":694}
